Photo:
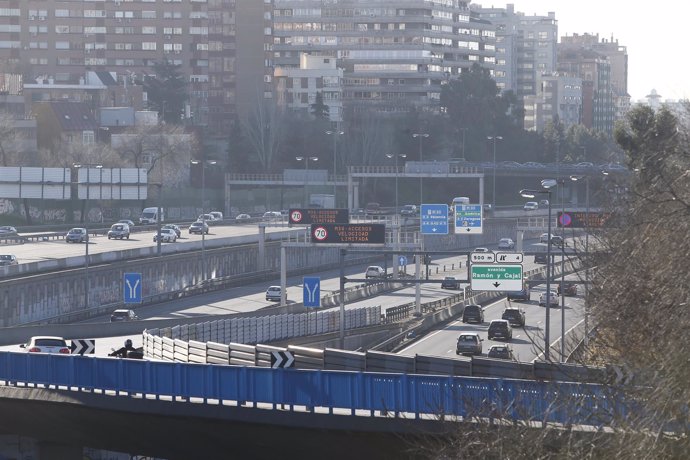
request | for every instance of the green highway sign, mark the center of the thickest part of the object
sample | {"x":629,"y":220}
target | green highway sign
{"x":495,"y":277}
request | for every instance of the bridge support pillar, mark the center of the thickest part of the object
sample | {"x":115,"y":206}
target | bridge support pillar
{"x":520,"y":238}
{"x":261,"y":262}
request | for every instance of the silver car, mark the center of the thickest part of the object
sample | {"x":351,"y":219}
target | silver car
{"x":469,"y":343}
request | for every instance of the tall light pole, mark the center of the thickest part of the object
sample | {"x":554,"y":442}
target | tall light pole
{"x":562,"y":182}
{"x":493,"y":194}
{"x":85,"y":221}
{"x":306,"y":176}
{"x":586,"y":178}
{"x":335,"y":135}
{"x":203,"y":164}
{"x":547,"y":185}
{"x":396,"y":156}
{"x":421,"y":136}
{"x":464,"y":158}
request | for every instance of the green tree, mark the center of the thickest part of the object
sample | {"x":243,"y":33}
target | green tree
{"x":167,"y":91}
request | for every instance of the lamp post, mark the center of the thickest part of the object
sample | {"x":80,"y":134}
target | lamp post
{"x":306,"y":176}
{"x":464,"y":158}
{"x":562,"y":182}
{"x":335,"y":135}
{"x":84,"y":218}
{"x":396,"y":156}
{"x":420,"y":136}
{"x":493,"y":194}
{"x":203,"y":164}
{"x":547,"y":185}
{"x":586,"y":178}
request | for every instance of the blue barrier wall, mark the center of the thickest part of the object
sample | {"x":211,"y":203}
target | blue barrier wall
{"x":415,"y":395}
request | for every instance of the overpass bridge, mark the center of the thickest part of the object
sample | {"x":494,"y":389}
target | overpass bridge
{"x":134,"y":406}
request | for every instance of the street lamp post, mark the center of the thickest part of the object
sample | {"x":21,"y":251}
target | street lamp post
{"x":562,"y":182}
{"x":85,"y":221}
{"x":306,"y":176}
{"x":493,"y":194}
{"x":335,"y":135}
{"x":546,"y":184}
{"x":420,"y":136}
{"x":586,"y":178}
{"x":396,"y":156}
{"x":203,"y":164}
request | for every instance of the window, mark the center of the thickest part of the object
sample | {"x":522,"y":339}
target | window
{"x":88,"y":137}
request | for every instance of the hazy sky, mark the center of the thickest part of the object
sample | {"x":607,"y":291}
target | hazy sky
{"x":655,"y":34}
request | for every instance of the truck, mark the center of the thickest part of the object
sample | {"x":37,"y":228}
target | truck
{"x":320,"y":200}
{"x":150,"y":216}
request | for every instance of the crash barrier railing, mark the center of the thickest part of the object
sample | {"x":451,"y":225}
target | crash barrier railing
{"x":381,"y":394}
{"x":257,"y":329}
{"x":262,"y":355}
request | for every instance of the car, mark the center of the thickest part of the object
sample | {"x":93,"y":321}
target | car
{"x":510,"y":164}
{"x":122,"y":314}
{"x":272,"y":215}
{"x":469,"y":343}
{"x":273,"y":293}
{"x":408,"y":210}
{"x":8,"y":259}
{"x":473,"y":314}
{"x":569,"y":288}
{"x":584,"y":164}
{"x":481,"y":250}
{"x":534,"y":164}
{"x":168,"y":235}
{"x":243,"y":217}
{"x":506,"y":243}
{"x":372,"y":208}
{"x":544,"y":238}
{"x":531,"y":206}
{"x":47,"y":344}
{"x":488,"y":207}
{"x":557,"y":240}
{"x":514,"y":316}
{"x":523,"y":294}
{"x":374,"y":271}
{"x":450,"y":282}
{"x":217,"y":215}
{"x":126,"y":221}
{"x":500,"y":328}
{"x":206,"y":218}
{"x":543,"y":202}
{"x":501,"y":351}
{"x":198,"y":227}
{"x":553,"y":299}
{"x":7,"y":230}
{"x":77,"y":235}
{"x":540,"y":258}
{"x":175,"y":228}
{"x":118,"y":231}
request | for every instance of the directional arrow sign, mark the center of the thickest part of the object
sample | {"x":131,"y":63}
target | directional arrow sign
{"x":433,"y":219}
{"x":468,"y":218}
{"x":282,"y":359}
{"x":509,"y":257}
{"x":83,"y":346}
{"x":496,"y":277}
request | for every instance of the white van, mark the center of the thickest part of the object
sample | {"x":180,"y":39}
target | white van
{"x":458,"y":200}
{"x":150,"y":216}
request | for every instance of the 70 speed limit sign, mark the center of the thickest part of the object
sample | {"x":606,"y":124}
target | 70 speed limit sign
{"x":296,"y":216}
{"x":319,"y":233}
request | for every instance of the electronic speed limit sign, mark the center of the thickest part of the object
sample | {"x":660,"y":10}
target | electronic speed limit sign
{"x":319,"y":233}
{"x":296,"y":216}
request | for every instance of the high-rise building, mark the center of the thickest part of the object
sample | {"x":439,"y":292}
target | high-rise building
{"x":395,"y":54}
{"x":525,"y":47}
{"x":558,"y":99}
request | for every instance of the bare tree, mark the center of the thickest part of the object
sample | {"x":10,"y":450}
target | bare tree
{"x":10,"y":141}
{"x":263,"y":130}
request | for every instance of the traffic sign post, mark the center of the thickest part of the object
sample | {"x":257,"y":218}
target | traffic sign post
{"x":83,"y":346}
{"x":509,"y":257}
{"x":433,"y":219}
{"x":282,"y":359}
{"x":132,"y":288}
{"x":402,"y":261}
{"x":318,"y":216}
{"x":348,"y":233}
{"x":311,"y":291}
{"x":495,"y":277}
{"x":482,"y":257}
{"x":468,"y":219}
{"x":579,"y":219}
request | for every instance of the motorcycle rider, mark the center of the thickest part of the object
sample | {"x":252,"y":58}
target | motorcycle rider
{"x":122,"y":352}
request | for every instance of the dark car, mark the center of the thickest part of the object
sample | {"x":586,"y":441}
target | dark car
{"x":557,"y":241}
{"x":514,"y":316}
{"x":175,"y":228}
{"x":450,"y":282}
{"x":118,"y":231}
{"x":569,"y":288}
{"x":7,"y":230}
{"x":500,"y":328}
{"x":473,"y":314}
{"x":540,"y":258}
{"x":77,"y":235}
{"x":123,"y":315}
{"x":501,"y":352}
{"x":523,"y":294}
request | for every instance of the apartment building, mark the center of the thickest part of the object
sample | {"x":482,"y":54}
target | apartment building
{"x":558,"y":99}
{"x":395,"y":54}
